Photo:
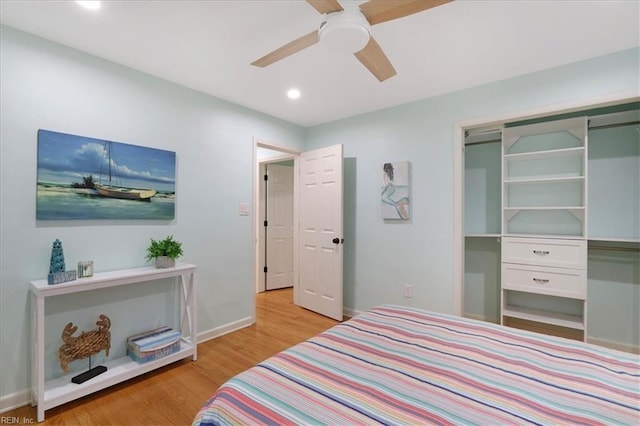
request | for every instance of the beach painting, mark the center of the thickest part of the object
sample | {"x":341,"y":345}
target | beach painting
{"x":86,"y":178}
{"x":394,"y":193}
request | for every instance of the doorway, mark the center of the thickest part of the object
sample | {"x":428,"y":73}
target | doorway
{"x":275,"y":211}
{"x":318,"y":209}
{"x":265,"y":152}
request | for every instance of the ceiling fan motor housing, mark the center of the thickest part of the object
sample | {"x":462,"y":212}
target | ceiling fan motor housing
{"x":346,"y":30}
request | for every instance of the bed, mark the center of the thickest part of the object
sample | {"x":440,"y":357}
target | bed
{"x":398,"y":365}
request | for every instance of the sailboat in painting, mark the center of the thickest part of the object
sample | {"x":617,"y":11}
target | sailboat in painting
{"x":112,"y":191}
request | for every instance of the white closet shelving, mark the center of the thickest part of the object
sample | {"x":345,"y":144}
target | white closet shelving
{"x":544,"y":252}
{"x":570,"y":187}
{"x":544,"y":179}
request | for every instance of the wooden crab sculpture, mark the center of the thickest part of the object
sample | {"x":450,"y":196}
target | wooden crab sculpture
{"x":86,"y":344}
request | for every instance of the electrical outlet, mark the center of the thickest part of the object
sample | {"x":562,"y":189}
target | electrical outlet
{"x":408,"y":291}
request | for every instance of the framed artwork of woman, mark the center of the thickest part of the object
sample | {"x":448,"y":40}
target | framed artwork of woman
{"x":394,"y":194}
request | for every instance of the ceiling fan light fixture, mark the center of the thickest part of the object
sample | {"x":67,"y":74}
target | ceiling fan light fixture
{"x":89,"y":4}
{"x":345,"y":31}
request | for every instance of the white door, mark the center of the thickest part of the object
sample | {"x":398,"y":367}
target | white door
{"x":320,"y":231}
{"x":279,"y":229}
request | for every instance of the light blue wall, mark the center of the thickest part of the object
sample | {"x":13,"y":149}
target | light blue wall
{"x":381,"y":257}
{"x":45,"y":85}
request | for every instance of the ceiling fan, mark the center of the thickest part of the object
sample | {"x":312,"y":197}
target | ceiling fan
{"x":349,"y":28}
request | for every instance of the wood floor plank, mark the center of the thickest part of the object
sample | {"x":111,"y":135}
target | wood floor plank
{"x":172,"y":395}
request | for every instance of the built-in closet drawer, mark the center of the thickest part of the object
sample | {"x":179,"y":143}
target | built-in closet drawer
{"x":570,"y":283}
{"x":558,"y":253}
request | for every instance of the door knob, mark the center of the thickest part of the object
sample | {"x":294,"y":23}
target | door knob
{"x":338,"y":240}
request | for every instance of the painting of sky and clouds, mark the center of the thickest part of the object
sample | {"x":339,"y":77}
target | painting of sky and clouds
{"x":87,"y":178}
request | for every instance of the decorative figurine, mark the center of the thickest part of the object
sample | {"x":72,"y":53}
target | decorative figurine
{"x":57,"y":273}
{"x":56,"y":263}
{"x":86,"y":344}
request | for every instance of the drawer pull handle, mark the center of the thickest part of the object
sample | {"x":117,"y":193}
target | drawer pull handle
{"x":541,"y":251}
{"x":540,"y":280}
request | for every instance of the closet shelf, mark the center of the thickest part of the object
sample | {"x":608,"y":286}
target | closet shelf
{"x":569,"y":208}
{"x":536,"y":235}
{"x":574,"y":126}
{"x":547,"y":317}
{"x":544,"y":179}
{"x":552,"y":153}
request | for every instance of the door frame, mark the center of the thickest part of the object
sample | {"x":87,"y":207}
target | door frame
{"x":286,"y":153}
{"x":458,"y":168}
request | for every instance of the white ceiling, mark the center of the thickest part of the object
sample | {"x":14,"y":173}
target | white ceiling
{"x":208,"y":46}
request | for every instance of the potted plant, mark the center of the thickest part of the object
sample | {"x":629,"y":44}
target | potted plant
{"x":165,"y":252}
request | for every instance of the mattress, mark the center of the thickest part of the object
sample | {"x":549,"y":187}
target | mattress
{"x":399,"y":365}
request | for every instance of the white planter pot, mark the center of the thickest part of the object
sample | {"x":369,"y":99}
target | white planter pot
{"x":165,"y":262}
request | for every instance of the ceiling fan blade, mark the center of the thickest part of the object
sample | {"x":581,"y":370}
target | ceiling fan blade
{"x":287,"y":50}
{"x":377,"y":11}
{"x":374,"y":59}
{"x":325,"y":6}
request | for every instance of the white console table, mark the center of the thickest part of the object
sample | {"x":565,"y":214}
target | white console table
{"x":61,"y":390}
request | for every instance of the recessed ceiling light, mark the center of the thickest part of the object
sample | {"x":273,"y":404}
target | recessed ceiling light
{"x":89,"y":4}
{"x":293,"y":93}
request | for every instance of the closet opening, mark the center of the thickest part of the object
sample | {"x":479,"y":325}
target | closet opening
{"x":568,"y":176}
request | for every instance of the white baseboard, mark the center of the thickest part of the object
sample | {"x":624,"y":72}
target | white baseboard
{"x":474,"y":316}
{"x":614,"y":345}
{"x":348,"y":312}
{"x":224,"y":329}
{"x":14,"y":400}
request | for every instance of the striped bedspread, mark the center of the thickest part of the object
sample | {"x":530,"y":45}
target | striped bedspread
{"x":397,"y":365}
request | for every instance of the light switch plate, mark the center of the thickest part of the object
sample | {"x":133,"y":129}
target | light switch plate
{"x":244,"y":209}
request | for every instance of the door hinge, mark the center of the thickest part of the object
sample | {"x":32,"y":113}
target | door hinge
{"x":266,"y":223}
{"x":266,"y":269}
{"x":266,"y":177}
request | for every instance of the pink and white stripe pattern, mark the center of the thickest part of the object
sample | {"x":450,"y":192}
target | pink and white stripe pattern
{"x":397,"y":365}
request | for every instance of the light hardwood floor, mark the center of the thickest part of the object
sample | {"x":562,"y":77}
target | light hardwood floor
{"x":173,"y":394}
